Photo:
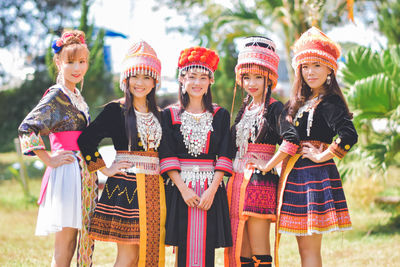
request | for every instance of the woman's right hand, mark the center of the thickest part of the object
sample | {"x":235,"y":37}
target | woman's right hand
{"x":190,"y":197}
{"x":116,"y":167}
{"x":59,"y":158}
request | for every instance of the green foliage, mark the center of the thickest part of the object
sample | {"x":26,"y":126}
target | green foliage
{"x":219,"y":27}
{"x":17,"y":104}
{"x":373,"y":94}
{"x":389,"y":20}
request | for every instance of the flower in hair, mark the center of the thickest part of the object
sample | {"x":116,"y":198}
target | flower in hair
{"x":57,"y":45}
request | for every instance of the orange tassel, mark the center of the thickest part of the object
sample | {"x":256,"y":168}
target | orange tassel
{"x":350,"y":9}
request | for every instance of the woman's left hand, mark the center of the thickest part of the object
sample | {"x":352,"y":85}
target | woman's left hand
{"x":313,"y":153}
{"x":257,"y":163}
{"x":207,"y":199}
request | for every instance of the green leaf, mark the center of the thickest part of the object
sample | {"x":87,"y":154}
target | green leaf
{"x":374,"y":94}
{"x":361,"y":62}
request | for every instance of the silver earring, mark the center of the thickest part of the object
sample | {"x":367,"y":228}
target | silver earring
{"x":328,"y":80}
{"x":82,"y":84}
{"x":183,"y":90}
{"x":60,"y":78}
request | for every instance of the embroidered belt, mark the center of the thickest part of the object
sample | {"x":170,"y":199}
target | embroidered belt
{"x":146,"y":162}
{"x":264,"y":151}
{"x":197,"y":170}
{"x":315,"y":143}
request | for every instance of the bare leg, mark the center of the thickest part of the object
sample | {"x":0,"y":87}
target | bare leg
{"x":258,"y":231}
{"x":64,"y":247}
{"x":310,"y":250}
{"x":176,"y":256}
{"x":246,"y":249}
{"x":127,"y":256}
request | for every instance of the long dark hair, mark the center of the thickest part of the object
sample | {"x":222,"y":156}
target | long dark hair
{"x":301,"y":92}
{"x":265,"y":126}
{"x":206,"y":100}
{"x":130,"y":116}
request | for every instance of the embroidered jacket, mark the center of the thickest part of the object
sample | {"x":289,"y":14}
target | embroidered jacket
{"x":330,"y":119}
{"x":54,"y":113}
{"x":109,"y":123}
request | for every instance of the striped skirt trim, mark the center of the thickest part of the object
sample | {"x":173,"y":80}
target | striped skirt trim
{"x":301,"y":226}
{"x":119,"y":230}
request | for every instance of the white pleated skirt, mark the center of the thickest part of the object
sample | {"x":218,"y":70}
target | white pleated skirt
{"x":61,"y":206}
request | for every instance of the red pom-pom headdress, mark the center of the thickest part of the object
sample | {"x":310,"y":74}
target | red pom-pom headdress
{"x":315,"y":46}
{"x":140,"y":59}
{"x":198,"y":57}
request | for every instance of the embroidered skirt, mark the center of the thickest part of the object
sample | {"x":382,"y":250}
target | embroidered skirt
{"x":132,"y":210}
{"x":313,"y":200}
{"x":250,"y":193}
{"x":196,"y":232}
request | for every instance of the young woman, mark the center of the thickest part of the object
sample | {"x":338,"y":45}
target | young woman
{"x":313,"y":202}
{"x":256,"y":132}
{"x":195,"y":155}
{"x":62,"y":114}
{"x":131,"y":210}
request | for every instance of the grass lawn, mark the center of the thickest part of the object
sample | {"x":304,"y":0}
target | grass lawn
{"x":372,"y":242}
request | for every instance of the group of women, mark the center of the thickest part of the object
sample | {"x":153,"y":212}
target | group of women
{"x":166,"y":184}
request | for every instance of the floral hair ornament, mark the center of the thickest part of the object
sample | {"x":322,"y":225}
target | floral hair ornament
{"x":315,"y":46}
{"x":140,"y":59}
{"x":200,"y":58}
{"x":57,"y":44}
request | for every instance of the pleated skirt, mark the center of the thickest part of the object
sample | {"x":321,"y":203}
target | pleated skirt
{"x":313,"y":200}
{"x":116,"y":217}
{"x":61,"y":206}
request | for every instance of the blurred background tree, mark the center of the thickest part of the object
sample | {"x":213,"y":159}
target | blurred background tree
{"x":220,"y":27}
{"x":27,"y":22}
{"x":372,"y":79}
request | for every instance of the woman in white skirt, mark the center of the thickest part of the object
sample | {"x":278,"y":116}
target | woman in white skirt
{"x":62,"y":114}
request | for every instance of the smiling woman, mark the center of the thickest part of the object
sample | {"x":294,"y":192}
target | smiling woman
{"x":68,"y":192}
{"x":131,"y":212}
{"x":195,"y":155}
{"x":311,"y":197}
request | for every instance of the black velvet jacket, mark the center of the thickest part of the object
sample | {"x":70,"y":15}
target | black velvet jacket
{"x":330,"y":119}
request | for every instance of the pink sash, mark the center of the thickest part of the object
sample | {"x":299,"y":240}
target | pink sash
{"x":59,"y":141}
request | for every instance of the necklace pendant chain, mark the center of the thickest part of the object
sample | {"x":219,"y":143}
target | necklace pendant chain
{"x":194,"y":130}
{"x":149,"y":130}
{"x":248,"y":127}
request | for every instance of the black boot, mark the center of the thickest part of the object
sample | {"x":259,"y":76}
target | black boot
{"x":246,"y":262}
{"x":262,"y":260}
